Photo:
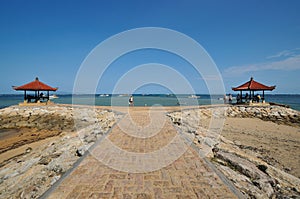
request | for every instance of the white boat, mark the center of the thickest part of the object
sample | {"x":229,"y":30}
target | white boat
{"x":53,"y":97}
{"x":194,"y":96}
{"x":104,"y":95}
{"x":123,"y":95}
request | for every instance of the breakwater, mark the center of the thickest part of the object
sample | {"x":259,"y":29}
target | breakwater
{"x":277,"y":114}
{"x":256,"y":147}
{"x":43,"y":143}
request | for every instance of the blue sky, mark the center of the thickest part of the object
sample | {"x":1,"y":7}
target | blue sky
{"x":51,"y":39}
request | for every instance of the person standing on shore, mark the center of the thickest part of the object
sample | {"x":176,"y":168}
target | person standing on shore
{"x":247,"y":97}
{"x":238,"y":98}
{"x":230,"y":98}
{"x":225,"y":99}
{"x":131,"y":101}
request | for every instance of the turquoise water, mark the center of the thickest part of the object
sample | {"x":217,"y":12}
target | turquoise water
{"x":148,"y":100}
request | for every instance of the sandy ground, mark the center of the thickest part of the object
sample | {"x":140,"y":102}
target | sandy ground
{"x":19,"y":151}
{"x":276,"y":144}
{"x":14,"y":138}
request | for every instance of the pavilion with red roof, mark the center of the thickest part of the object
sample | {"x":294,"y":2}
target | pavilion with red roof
{"x":252,"y":86}
{"x":35,"y":86}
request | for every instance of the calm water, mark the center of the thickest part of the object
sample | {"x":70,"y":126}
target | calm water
{"x":148,"y":100}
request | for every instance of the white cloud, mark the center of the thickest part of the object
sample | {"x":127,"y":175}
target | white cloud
{"x":285,"y":53}
{"x":287,"y":64}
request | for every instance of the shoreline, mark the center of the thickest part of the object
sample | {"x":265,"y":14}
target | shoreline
{"x":53,"y":155}
{"x":287,"y":99}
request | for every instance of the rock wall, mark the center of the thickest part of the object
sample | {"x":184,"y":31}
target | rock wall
{"x":277,"y":114}
{"x":58,"y":118}
{"x":251,"y":175}
{"x":29,"y":170}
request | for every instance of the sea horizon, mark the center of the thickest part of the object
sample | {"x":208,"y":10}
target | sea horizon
{"x":121,"y":99}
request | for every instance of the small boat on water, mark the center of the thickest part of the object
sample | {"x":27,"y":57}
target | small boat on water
{"x":123,"y":95}
{"x":194,"y":96}
{"x":104,"y":95}
{"x":53,"y":97}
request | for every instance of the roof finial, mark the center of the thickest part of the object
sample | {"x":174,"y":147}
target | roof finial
{"x":251,"y":78}
{"x":36,"y":78}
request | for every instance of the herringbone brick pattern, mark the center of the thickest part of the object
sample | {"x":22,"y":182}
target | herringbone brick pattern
{"x":107,"y":173}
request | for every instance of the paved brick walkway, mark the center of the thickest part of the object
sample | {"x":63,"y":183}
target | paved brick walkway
{"x":139,"y":159}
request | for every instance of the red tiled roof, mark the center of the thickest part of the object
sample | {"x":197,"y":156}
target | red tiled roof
{"x":35,"y":85}
{"x":253,"y":85}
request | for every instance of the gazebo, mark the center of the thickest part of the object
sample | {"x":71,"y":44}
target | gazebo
{"x":252,"y":86}
{"x":35,"y":86}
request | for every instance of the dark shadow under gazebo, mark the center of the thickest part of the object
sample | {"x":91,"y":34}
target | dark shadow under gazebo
{"x":251,"y":87}
{"x":38,"y":88}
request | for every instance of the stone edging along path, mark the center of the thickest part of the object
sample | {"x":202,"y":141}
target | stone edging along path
{"x":76,"y":164}
{"x":43,"y":143}
{"x":240,"y":160}
{"x":102,"y":174}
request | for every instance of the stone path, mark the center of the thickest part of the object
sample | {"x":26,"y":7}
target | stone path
{"x":142,"y":157}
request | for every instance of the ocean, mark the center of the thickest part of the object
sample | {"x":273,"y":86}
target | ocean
{"x":150,"y":100}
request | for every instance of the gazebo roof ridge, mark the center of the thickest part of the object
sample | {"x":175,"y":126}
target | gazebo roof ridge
{"x":253,"y":86}
{"x":35,"y":85}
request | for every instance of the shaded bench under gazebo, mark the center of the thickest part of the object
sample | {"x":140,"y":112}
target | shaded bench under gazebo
{"x":38,"y":88}
{"x":252,"y":86}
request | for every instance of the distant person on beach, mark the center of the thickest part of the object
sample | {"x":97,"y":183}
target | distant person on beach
{"x":257,"y":98}
{"x":225,"y":99}
{"x":41,"y":95}
{"x":131,"y":101}
{"x":247,"y":97}
{"x":238,"y":98}
{"x":230,"y":98}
